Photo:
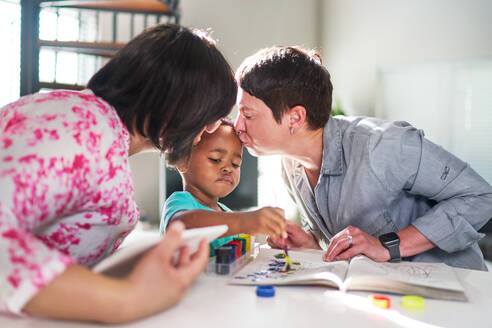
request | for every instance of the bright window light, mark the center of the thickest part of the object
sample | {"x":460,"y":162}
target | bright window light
{"x":68,"y":25}
{"x":67,"y":67}
{"x":47,"y":24}
{"x":271,"y":188}
{"x":47,"y":58}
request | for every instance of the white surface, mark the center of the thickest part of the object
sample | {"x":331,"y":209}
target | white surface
{"x":210,"y":302}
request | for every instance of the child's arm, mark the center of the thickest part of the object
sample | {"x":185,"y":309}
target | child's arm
{"x":266,"y":220}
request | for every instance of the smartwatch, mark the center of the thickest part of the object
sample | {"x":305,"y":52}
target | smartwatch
{"x":391,"y":242}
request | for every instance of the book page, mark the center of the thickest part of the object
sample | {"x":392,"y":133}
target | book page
{"x":307,"y":267}
{"x":433,"y":275}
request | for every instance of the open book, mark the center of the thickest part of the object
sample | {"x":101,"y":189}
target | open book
{"x":433,"y":280}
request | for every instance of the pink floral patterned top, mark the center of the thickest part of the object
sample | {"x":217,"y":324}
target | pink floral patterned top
{"x":66,"y":193}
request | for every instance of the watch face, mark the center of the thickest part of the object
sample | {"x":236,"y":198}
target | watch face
{"x":389,"y":237}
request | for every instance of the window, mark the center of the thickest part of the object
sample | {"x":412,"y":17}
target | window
{"x":75,"y":43}
{"x":62,"y":66}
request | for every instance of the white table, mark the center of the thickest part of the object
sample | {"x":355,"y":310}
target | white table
{"x":210,"y":302}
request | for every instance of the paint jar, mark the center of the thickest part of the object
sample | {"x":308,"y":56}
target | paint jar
{"x":244,"y":243}
{"x":223,"y":259}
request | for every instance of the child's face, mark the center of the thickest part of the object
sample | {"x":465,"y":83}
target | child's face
{"x":215,"y":163}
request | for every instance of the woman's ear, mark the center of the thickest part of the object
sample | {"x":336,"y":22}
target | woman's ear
{"x":297,"y":117}
{"x":198,"y":137}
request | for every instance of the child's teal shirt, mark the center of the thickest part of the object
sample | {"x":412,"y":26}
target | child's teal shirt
{"x":184,"y":201}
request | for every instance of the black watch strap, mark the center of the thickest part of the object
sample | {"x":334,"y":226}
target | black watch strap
{"x":394,"y":253}
{"x":391,"y":241}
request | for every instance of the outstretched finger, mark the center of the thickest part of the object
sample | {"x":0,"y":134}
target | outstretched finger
{"x":184,"y":256}
{"x":171,"y":241}
{"x":203,"y":246}
{"x":271,"y":242}
{"x":276,"y":243}
{"x":276,"y":233}
{"x":295,"y":233}
{"x":279,"y":211}
{"x":198,"y":262}
{"x":348,"y":254}
{"x":336,"y":238}
{"x":278,"y":216}
{"x":340,"y":245}
{"x":291,"y":226}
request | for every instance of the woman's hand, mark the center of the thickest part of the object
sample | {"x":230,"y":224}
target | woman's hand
{"x":296,"y":238}
{"x":352,"y":241}
{"x":266,"y":220}
{"x":157,"y":283}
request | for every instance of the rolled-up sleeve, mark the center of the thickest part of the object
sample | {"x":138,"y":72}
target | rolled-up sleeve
{"x":403,"y":159}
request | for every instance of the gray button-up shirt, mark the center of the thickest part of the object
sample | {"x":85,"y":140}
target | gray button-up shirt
{"x":383,"y":176}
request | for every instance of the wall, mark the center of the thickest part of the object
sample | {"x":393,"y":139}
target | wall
{"x":450,"y":101}
{"x":145,"y":174}
{"x":358,"y":36}
{"x":241,"y":28}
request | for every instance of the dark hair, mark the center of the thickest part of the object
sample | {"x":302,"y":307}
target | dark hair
{"x":167,"y":84}
{"x":284,"y":77}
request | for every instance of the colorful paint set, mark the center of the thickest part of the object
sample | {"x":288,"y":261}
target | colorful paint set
{"x":231,"y":255}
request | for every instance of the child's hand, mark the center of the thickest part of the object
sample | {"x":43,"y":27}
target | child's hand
{"x":266,"y":220}
{"x":157,"y":282}
{"x":297,"y":238}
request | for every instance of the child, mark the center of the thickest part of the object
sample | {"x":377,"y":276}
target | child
{"x":212,"y":172}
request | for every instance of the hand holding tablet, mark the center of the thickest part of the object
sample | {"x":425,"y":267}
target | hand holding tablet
{"x":121,"y":262}
{"x":192,"y":237}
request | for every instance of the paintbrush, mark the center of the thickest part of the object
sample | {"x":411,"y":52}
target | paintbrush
{"x":287,"y":259}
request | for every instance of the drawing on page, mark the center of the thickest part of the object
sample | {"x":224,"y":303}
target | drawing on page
{"x":428,"y":274}
{"x":268,"y":265}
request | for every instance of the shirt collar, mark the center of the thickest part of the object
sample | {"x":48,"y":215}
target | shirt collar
{"x":331,"y":163}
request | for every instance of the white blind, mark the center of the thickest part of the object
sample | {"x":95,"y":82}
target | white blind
{"x":10,"y":54}
{"x":450,"y":101}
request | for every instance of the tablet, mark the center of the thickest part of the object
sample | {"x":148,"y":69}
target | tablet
{"x":122,"y":261}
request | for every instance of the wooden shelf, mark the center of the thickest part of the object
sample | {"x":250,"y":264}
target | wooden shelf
{"x":55,"y":85}
{"x":135,"y":6}
{"x":105,"y":49}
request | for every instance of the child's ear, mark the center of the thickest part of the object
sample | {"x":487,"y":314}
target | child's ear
{"x":182,"y":168}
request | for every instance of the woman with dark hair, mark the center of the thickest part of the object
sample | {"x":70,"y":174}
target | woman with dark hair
{"x":66,"y":198}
